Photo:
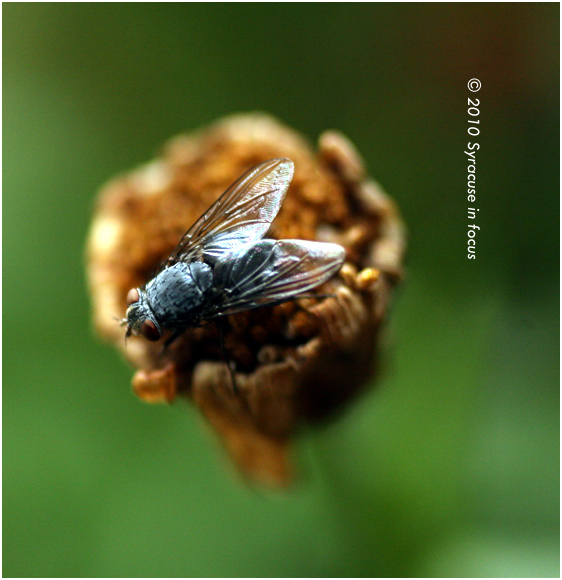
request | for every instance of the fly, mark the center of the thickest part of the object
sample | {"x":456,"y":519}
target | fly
{"x":222,"y":265}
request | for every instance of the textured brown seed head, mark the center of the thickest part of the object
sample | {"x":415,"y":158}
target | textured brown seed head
{"x":297,"y":362}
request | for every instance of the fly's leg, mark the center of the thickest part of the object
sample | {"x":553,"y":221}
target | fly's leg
{"x":174,"y":336}
{"x":299,"y":296}
{"x":229,"y":364}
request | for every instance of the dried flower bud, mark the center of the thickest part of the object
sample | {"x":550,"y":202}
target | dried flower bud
{"x":299,"y":361}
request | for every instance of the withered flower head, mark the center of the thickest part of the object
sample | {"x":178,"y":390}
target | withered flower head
{"x":296,"y":362}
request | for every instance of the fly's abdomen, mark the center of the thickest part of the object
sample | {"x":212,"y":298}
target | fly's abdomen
{"x":177,"y":294}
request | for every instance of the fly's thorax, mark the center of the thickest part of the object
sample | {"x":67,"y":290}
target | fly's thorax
{"x":178,"y":292}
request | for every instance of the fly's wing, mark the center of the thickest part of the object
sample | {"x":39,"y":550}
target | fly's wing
{"x":271,"y":272}
{"x":241,"y":215}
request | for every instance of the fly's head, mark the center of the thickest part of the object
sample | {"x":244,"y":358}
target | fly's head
{"x":139,"y":318}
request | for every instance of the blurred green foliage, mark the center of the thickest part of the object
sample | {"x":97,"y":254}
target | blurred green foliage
{"x":451,"y":465}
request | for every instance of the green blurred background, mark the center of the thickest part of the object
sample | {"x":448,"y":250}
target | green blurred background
{"x":451,"y":465}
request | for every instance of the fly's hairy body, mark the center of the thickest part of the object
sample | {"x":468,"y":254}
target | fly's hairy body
{"x":223,"y":265}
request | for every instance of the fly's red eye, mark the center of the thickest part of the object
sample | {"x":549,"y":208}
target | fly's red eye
{"x":132,"y":296}
{"x":149,"y":330}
